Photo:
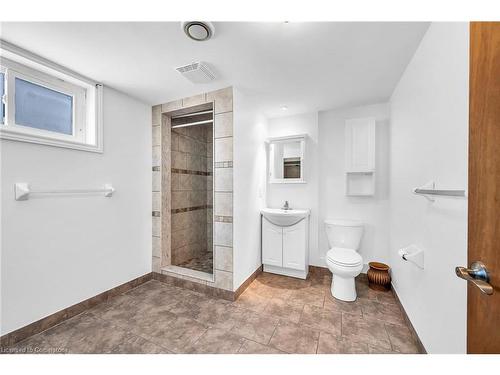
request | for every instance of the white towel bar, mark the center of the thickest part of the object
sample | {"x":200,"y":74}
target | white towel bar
{"x":23,"y":191}
{"x":429,"y":190}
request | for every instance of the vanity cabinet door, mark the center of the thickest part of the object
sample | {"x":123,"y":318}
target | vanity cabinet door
{"x":294,"y":246}
{"x":272,"y":244}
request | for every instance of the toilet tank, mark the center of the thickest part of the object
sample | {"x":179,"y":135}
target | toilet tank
{"x":344,"y":233}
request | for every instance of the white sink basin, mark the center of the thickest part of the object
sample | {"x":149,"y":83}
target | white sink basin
{"x":284,"y":218}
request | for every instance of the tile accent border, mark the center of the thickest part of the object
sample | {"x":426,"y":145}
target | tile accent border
{"x":223,"y":219}
{"x":420,"y":346}
{"x":194,"y":208}
{"x":188,"y":171}
{"x":50,"y":321}
{"x":223,"y":164}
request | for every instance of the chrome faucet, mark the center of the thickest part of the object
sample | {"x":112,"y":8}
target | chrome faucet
{"x":285,"y":206}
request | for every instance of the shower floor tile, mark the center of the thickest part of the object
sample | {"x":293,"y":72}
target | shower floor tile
{"x":275,"y":315}
{"x":203,"y":263}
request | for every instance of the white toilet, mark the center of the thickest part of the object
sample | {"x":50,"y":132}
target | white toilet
{"x":342,"y":259}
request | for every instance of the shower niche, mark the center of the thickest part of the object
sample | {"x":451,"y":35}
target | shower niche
{"x":191,"y":187}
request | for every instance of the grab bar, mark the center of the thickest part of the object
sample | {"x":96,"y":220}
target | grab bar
{"x":23,"y":190}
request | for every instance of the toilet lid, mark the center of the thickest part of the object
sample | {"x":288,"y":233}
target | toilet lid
{"x":344,"y":257}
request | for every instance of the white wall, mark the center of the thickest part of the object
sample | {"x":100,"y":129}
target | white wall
{"x":249,"y":185}
{"x":333,"y":203}
{"x":429,"y":127}
{"x":300,"y":195}
{"x":59,"y":250}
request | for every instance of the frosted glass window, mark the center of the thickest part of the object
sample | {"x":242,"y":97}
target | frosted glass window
{"x":2,"y":91}
{"x":42,"y":108}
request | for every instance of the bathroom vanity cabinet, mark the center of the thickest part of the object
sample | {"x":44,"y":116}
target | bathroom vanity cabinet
{"x":285,"y":249}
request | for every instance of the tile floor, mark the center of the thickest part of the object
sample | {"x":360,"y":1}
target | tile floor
{"x":203,"y":263}
{"x":275,"y":315}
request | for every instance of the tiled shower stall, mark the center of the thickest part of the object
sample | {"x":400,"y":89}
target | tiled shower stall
{"x":185,"y":168}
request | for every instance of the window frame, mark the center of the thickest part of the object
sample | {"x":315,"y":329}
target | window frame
{"x":87,"y":102}
{"x":17,"y":71}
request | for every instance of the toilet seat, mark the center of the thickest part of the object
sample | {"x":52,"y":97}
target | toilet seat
{"x":344,"y":257}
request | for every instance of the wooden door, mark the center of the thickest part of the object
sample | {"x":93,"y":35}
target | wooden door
{"x":294,"y":246}
{"x":483,"y":311}
{"x":272,"y":244}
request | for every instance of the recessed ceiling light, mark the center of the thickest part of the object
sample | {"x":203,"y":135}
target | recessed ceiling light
{"x":198,"y":30}
{"x":284,"y":108}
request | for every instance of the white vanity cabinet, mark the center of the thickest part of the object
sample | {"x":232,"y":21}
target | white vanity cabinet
{"x":272,"y":244}
{"x":285,"y":249}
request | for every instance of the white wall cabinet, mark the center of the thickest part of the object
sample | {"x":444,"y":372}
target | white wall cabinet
{"x":360,"y":156}
{"x":285,"y":250}
{"x":360,"y":145}
{"x":286,"y":159}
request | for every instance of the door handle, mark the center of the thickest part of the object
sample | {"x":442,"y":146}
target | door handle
{"x":478,"y":275}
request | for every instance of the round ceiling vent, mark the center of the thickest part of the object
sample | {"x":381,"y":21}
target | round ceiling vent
{"x":198,"y":30}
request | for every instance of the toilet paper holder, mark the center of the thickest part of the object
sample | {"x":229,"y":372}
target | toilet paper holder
{"x":412,"y":254}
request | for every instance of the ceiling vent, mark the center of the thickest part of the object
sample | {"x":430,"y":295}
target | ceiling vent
{"x":198,"y":30}
{"x":197,"y":72}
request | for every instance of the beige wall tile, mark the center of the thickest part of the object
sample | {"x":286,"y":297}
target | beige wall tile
{"x":223,"y":204}
{"x":156,"y":156}
{"x":156,"y":115}
{"x":209,"y":184}
{"x":156,"y":135}
{"x":197,"y":198}
{"x":184,"y":182}
{"x":223,"y":280}
{"x":223,"y":149}
{"x":223,"y":99}
{"x":223,"y":179}
{"x":180,"y":238}
{"x":223,"y":125}
{"x":187,"y":144}
{"x":171,"y":106}
{"x":179,"y":199}
{"x":224,"y":258}
{"x":175,"y":182}
{"x":156,"y":201}
{"x":156,"y":247}
{"x":210,"y":150}
{"x":180,"y":220}
{"x":156,"y":266}
{"x":179,"y":160}
{"x":223,"y":234}
{"x":209,"y":164}
{"x":156,"y":226}
{"x":156,"y":183}
{"x":194,"y":162}
{"x":193,"y":100}
{"x":174,"y":141}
